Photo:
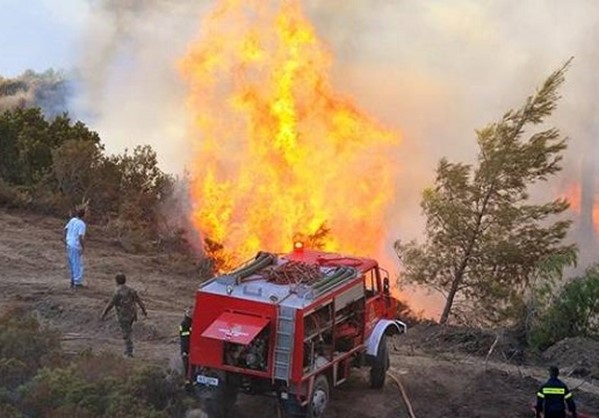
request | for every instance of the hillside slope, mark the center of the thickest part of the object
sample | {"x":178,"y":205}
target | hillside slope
{"x":440,"y":384}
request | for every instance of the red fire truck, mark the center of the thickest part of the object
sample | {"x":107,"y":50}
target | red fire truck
{"x":291,"y":326}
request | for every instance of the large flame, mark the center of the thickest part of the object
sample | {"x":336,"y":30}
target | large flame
{"x":279,"y":153}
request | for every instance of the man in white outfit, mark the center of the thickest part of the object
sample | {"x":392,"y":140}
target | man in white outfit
{"x":75,"y":244}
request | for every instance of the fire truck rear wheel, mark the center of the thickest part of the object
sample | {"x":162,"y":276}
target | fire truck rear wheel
{"x":380,"y":364}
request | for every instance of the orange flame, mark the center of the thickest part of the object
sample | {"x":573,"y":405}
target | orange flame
{"x":279,"y":154}
{"x":573,"y":194}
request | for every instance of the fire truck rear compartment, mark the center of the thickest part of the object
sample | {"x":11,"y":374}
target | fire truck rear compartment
{"x":329,"y":334}
{"x":252,"y":356}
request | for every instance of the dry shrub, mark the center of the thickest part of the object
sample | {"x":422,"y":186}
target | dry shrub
{"x":11,"y":196}
{"x":23,"y":341}
{"x":11,"y":373}
{"x":406,"y":314}
{"x":37,"y":379}
{"x":100,"y":386}
{"x":9,"y":411}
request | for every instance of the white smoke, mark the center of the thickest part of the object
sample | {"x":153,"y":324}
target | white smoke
{"x":129,"y":86}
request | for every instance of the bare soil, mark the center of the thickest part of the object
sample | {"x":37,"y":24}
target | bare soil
{"x":444,"y":373}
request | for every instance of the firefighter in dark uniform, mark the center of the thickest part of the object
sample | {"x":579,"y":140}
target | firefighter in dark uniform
{"x":124,"y":300}
{"x":184,"y":334}
{"x":553,"y":396}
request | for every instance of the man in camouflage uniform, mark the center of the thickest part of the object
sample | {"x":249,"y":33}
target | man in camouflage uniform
{"x":124,"y":300}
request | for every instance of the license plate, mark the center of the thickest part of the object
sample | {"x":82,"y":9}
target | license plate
{"x":207,"y":380}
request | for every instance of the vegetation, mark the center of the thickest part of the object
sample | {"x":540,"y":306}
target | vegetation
{"x":48,"y":90}
{"x":571,"y":312}
{"x":38,"y":380}
{"x":52,"y":165}
{"x":484,"y":239}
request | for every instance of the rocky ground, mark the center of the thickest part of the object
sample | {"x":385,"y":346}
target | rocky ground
{"x":444,"y":372}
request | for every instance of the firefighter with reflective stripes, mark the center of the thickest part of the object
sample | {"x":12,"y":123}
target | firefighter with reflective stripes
{"x":553,"y":396}
{"x":184,"y":334}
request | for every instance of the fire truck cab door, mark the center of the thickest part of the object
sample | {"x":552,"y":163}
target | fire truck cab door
{"x":373,"y":299}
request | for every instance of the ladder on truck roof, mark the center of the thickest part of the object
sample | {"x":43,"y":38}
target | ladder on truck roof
{"x":284,"y":342}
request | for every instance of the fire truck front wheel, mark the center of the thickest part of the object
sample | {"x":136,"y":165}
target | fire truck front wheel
{"x":380,"y":365}
{"x":320,"y":397}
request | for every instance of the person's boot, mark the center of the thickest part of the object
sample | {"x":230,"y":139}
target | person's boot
{"x":188,"y":386}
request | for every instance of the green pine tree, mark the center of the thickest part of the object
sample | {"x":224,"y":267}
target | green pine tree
{"x":484,"y":239}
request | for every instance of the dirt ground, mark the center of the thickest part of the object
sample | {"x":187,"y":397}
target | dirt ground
{"x":440,"y":383}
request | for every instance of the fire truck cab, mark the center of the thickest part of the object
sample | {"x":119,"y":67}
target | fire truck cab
{"x":291,"y":326}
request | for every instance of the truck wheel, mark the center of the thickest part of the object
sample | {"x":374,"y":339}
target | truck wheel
{"x":318,"y":403}
{"x":380,"y":364}
{"x":320,"y":397}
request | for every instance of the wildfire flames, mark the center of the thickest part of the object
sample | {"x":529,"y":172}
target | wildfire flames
{"x":573,"y":195}
{"x":279,"y":154}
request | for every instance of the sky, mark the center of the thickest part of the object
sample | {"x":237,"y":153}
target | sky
{"x":39,"y":34}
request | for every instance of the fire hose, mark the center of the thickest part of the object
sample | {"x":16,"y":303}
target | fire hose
{"x":262,"y":260}
{"x":292,"y":272}
{"x":339,"y":276}
{"x":403,"y":393}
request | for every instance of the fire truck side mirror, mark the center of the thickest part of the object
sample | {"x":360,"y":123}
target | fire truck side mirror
{"x":386,"y":286}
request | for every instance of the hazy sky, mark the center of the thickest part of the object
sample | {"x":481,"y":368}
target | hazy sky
{"x":39,"y":34}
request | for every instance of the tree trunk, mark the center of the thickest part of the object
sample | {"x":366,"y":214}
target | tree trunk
{"x":453,"y":290}
{"x":459,"y":274}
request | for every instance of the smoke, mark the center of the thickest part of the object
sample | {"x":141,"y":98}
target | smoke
{"x":439,"y":70}
{"x":128,"y":83}
{"x":48,"y":90}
